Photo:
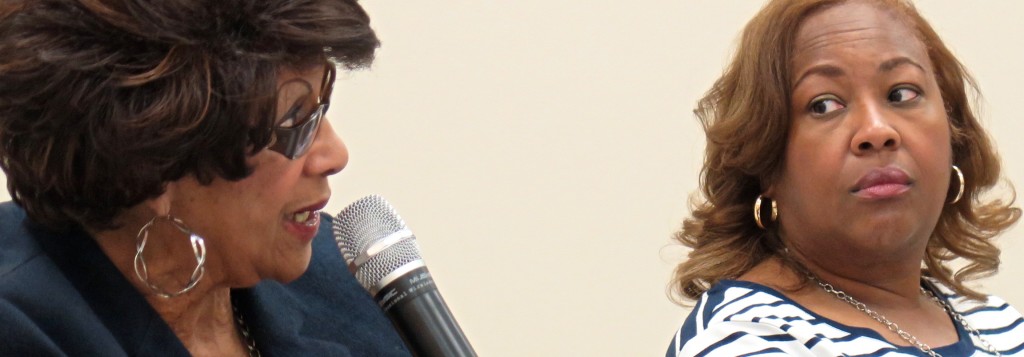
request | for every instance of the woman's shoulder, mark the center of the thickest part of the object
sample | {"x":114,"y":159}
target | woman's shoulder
{"x":16,"y":244}
{"x":24,"y":270}
{"x":24,"y":264}
{"x":734,"y":316}
{"x":44,"y":311}
{"x":736,"y":300}
{"x":968,"y":306}
{"x":994,"y":318}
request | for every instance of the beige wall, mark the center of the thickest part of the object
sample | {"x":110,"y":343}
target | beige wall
{"x":543,"y":152}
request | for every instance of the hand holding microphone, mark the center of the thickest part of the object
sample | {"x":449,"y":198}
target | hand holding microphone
{"x":385,"y":258}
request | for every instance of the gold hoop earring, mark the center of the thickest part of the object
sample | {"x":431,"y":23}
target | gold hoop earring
{"x":960,"y":191}
{"x":198,"y":247}
{"x":757,"y":211}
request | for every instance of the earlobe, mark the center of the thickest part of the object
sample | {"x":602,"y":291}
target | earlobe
{"x":161,"y":205}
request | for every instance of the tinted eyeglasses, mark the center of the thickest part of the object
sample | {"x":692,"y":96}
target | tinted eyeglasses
{"x":294,"y":140}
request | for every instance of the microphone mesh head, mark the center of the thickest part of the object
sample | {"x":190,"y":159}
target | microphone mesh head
{"x":365,"y":222}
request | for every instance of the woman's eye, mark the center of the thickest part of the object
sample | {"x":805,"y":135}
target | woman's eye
{"x":825,"y":105}
{"x":288,"y":120}
{"x":287,"y":123}
{"x":899,"y":95}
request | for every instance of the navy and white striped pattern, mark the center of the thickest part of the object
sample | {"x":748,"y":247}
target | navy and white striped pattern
{"x":737,"y":318}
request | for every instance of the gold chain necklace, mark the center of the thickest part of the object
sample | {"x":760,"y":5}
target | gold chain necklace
{"x":892,"y":326}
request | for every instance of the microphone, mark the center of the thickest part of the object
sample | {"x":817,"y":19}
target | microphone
{"x":385,"y":258}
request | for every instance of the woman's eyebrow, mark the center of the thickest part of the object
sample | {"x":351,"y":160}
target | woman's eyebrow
{"x":827,"y":70}
{"x":893,"y":63}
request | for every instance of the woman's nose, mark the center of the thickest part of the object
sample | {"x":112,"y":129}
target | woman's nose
{"x":874,"y":131}
{"x":328,"y":155}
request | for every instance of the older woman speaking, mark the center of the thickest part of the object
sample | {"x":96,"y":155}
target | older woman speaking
{"x":168,"y":161}
{"x":843,"y":174}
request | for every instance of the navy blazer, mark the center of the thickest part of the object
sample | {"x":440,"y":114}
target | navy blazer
{"x":60,"y":295}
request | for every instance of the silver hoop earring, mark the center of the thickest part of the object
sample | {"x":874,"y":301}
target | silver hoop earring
{"x":960,"y":191}
{"x":198,"y":247}
{"x":757,"y":211}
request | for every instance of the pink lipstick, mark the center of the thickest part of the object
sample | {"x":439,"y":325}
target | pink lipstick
{"x":882,"y":183}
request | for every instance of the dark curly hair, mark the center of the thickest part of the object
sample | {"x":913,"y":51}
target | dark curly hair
{"x":103,"y":102}
{"x":746,"y":115}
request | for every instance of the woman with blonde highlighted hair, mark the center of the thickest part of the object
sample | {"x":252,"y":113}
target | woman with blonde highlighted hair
{"x":843,"y":174}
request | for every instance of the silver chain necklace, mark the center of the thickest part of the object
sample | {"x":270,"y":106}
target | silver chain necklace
{"x":896,"y":329}
{"x":243,"y":330}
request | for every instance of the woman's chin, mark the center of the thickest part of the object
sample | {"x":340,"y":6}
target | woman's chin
{"x":292,"y":268}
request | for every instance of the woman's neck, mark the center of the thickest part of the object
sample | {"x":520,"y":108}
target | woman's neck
{"x":875,"y":283}
{"x":899,"y":299}
{"x":202,"y":318}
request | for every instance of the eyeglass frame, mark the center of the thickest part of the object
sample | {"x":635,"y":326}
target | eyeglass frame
{"x":295,"y":141}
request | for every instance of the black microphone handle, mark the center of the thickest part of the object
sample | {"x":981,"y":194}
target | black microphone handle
{"x":421,"y":316}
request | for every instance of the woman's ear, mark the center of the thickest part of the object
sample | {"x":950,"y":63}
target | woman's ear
{"x":161,"y":205}
{"x":768,"y":187}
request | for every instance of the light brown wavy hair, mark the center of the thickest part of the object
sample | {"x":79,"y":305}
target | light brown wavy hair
{"x":103,"y":102}
{"x":746,"y":118}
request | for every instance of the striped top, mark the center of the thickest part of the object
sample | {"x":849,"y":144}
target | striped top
{"x":738,"y":318}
